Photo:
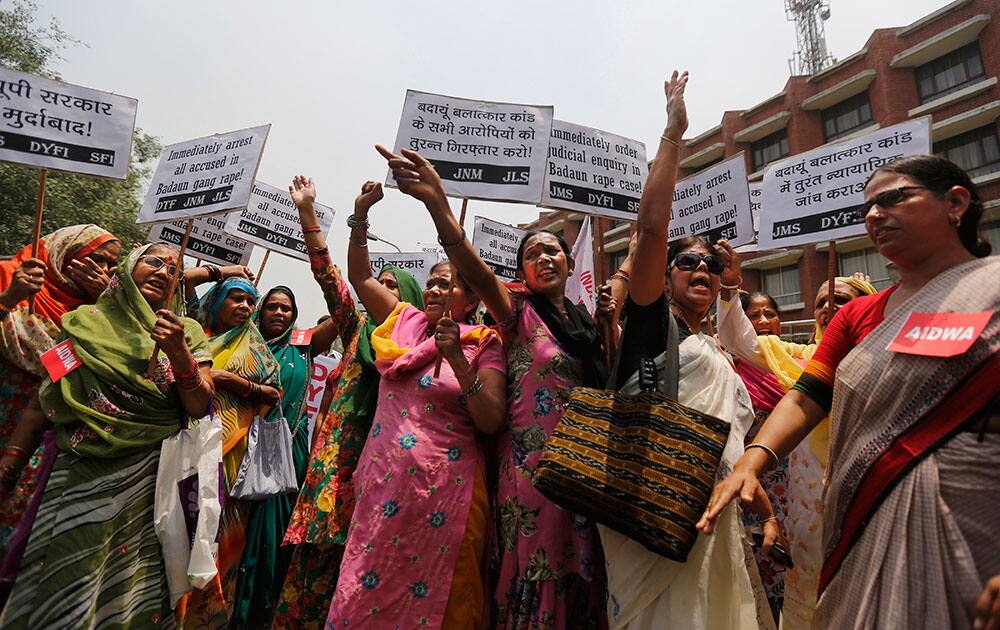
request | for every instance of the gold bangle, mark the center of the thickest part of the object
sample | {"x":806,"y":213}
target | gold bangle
{"x":670,"y":140}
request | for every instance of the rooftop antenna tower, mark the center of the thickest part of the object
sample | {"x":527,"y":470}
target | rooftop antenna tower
{"x":809,"y":17}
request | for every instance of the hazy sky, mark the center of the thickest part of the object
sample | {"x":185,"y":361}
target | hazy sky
{"x":330,"y":76}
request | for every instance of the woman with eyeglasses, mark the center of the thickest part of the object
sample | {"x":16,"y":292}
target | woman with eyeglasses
{"x":769,"y":367}
{"x":93,"y":558}
{"x":718,"y":586}
{"x":909,"y":540}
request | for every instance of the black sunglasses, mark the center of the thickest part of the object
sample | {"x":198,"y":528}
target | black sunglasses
{"x":156,"y":262}
{"x":689,"y":261}
{"x":889,"y":198}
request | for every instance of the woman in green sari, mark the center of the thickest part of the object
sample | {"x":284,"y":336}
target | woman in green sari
{"x":93,"y":558}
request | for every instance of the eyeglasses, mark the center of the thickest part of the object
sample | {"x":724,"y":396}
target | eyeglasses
{"x":889,"y":198}
{"x":689,"y":261}
{"x":156,"y":262}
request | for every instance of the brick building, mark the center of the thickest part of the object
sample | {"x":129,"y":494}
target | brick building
{"x":945,"y":65}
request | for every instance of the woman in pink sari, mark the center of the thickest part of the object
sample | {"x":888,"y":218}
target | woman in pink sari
{"x":414,"y":553}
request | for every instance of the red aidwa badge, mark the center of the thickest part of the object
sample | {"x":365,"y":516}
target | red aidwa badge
{"x":301,"y":337}
{"x":939,"y":334}
{"x":60,"y":360}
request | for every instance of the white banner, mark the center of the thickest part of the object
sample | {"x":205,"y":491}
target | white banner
{"x":714,"y":203}
{"x":65,"y":127}
{"x":818,"y":195}
{"x":756,"y":195}
{"x":432,"y":248}
{"x":271,"y":220}
{"x":594,"y":171}
{"x":580,"y":285}
{"x":208,"y":241}
{"x":480,"y":149}
{"x":205,"y":176}
{"x":417,"y":264}
{"x":497,"y":244}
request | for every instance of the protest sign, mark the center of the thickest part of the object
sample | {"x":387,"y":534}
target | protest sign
{"x":322,"y":366}
{"x":272,"y":221}
{"x":497,"y":244}
{"x":714,"y":203}
{"x":432,"y":248}
{"x":65,"y":127}
{"x":204,"y":176}
{"x":208,"y":240}
{"x":817,"y":196}
{"x":480,"y":149}
{"x":756,"y":194}
{"x":593,"y":171}
{"x":417,"y":264}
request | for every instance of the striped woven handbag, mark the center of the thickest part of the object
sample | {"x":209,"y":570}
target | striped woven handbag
{"x":639,"y":463}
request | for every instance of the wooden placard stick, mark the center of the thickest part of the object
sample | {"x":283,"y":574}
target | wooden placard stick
{"x":451,"y":287}
{"x":171,"y":288}
{"x":36,"y":234}
{"x":260,"y":271}
{"x":831,"y":273}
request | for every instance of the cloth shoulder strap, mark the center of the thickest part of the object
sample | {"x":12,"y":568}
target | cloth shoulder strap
{"x":668,"y":363}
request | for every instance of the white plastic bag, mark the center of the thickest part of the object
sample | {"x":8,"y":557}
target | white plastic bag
{"x":267,"y":468}
{"x":187,"y":506}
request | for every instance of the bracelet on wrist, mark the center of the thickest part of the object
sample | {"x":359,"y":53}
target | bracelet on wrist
{"x":311,"y":228}
{"x":732,"y":287}
{"x":459,"y":241}
{"x":666,"y":138}
{"x":357,"y":223}
{"x":214,"y":272}
{"x":766,"y":449}
{"x":15,"y":451}
{"x":471,"y":391}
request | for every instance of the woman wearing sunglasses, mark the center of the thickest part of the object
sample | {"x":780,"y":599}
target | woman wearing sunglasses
{"x":714,"y":588}
{"x":908,"y":540}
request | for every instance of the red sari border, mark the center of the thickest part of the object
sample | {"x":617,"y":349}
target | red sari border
{"x":906,"y":451}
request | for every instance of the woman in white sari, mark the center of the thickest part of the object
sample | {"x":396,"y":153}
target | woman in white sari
{"x":718,"y":586}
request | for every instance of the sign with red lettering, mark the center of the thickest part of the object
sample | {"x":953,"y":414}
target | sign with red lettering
{"x":322,"y":367}
{"x":60,"y":360}
{"x":301,"y":337}
{"x":939,"y":334}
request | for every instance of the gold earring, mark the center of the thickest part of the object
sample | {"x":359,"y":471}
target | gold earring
{"x":956,"y":221}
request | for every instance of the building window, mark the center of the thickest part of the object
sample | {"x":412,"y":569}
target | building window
{"x":949,"y":73}
{"x":976,"y":151}
{"x":617,"y":258}
{"x":991,"y":232}
{"x":768,"y":149}
{"x":782,"y":283}
{"x":869,"y":262}
{"x":847,"y":116}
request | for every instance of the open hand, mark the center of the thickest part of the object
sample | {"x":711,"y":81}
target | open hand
{"x":303,"y":191}
{"x":414,"y":174}
{"x":677,"y":121}
{"x":88,"y":275}
{"x":746,"y":486}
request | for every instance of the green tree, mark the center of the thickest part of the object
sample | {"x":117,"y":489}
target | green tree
{"x":69,"y":199}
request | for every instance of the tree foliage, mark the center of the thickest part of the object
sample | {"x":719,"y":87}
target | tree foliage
{"x":69,"y":199}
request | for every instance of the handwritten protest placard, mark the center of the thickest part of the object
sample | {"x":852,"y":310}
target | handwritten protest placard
{"x":817,"y":196}
{"x":208,"y":240}
{"x":714,"y":203}
{"x":497,"y":245}
{"x":481,"y":149}
{"x":204,"y":176}
{"x":594,"y":171}
{"x":272,"y":221}
{"x":62,"y":126}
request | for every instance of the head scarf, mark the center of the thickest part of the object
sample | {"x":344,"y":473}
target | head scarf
{"x":108,"y":407}
{"x":24,"y":337}
{"x":295,"y":362}
{"x":206,"y":309}
{"x":863,"y":287}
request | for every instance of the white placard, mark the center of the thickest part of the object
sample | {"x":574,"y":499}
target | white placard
{"x":480,"y":149}
{"x":62,"y":126}
{"x":208,"y":241}
{"x":432,"y":248}
{"x":322,"y":367}
{"x":271,"y":220}
{"x":594,"y":171}
{"x":714,"y":203}
{"x":756,"y":195}
{"x":205,"y":176}
{"x":497,"y":244}
{"x":818,"y":195}
{"x":417,"y":264}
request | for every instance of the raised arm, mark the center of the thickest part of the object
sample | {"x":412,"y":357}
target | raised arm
{"x":735,"y":330}
{"x":211,"y":273}
{"x":647,"y":284}
{"x":338,"y":298}
{"x":416,"y":177}
{"x":378,"y":300}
